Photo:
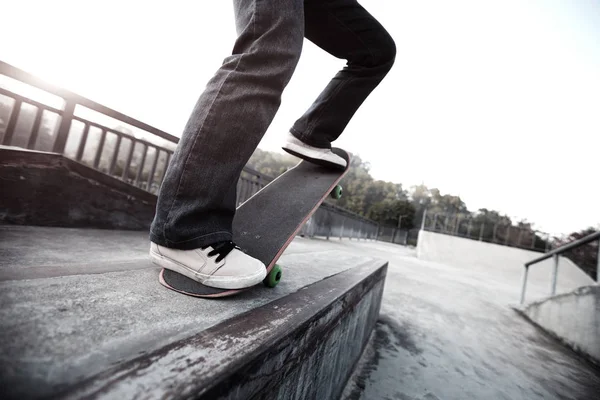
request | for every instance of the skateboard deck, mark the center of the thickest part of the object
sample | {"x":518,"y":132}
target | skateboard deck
{"x":267,"y":222}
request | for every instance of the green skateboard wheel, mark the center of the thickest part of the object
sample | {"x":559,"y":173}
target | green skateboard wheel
{"x":273,"y":277}
{"x":336,"y":193}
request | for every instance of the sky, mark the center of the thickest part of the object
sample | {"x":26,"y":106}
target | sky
{"x":495,"y":101}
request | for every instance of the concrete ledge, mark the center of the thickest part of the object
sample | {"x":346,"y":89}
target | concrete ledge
{"x":304,"y":345}
{"x":573,"y":318}
{"x":83,"y":315}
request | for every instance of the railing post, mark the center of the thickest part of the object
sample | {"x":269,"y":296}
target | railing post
{"x":481,"y":231}
{"x":598,"y":264}
{"x":424,"y":218}
{"x":524,"y":287}
{"x":554,"y":254}
{"x":554,"y":274}
{"x":12,"y":123}
{"x":65,"y":127}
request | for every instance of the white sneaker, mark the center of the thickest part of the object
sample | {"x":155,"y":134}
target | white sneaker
{"x":223,"y":266}
{"x":312,"y":154}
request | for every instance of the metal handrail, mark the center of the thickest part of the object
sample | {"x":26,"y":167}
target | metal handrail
{"x":562,"y":249}
{"x":555,"y":254}
{"x":23,"y":76}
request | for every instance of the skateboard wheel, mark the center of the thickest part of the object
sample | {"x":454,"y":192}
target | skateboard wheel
{"x":273,"y":277}
{"x":336,"y":193}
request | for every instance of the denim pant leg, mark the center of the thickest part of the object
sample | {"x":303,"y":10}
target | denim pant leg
{"x":346,"y":30}
{"x":197,"y":199}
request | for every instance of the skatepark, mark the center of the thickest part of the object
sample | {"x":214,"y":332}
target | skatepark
{"x":103,"y":326}
{"x":84,"y":316}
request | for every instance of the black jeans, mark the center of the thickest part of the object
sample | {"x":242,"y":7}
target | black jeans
{"x":197,"y":199}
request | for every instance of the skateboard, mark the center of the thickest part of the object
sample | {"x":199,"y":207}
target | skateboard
{"x":267,"y":222}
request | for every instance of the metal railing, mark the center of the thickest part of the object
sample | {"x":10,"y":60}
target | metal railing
{"x":555,"y":255}
{"x":49,"y":118}
{"x":332,"y":221}
{"x":475,"y":227}
{"x":53,"y":119}
{"x":78,"y":128}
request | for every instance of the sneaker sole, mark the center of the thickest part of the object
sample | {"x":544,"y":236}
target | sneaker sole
{"x":294,"y":150}
{"x":217,"y":282}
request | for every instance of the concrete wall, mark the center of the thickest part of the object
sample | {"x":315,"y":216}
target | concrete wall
{"x":47,"y":189}
{"x":498,"y":260}
{"x":572,"y":317}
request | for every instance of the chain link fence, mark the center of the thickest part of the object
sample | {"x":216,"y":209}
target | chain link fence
{"x":476,"y":227}
{"x":392,"y":235}
{"x":330,"y":221}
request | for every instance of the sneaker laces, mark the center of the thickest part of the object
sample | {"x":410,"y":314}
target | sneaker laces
{"x":222,"y":249}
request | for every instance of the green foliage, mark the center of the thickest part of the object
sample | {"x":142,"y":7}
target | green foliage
{"x":390,"y":204}
{"x":393,"y":213}
{"x":586,"y":257}
{"x":270,"y":163}
{"x":384,"y":202}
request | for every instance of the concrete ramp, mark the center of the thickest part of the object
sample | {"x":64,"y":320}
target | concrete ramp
{"x":500,"y":262}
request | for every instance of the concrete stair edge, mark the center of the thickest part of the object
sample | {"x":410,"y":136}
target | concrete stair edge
{"x":304,"y":345}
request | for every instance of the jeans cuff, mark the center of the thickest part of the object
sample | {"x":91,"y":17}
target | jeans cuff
{"x":308,"y":139}
{"x":191,"y":244}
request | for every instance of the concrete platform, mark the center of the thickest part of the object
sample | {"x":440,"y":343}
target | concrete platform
{"x":81,"y":307}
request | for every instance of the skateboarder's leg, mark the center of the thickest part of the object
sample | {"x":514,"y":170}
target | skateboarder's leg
{"x":197,"y":199}
{"x":347,"y":31}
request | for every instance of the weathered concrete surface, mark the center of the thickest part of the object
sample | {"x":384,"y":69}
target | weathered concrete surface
{"x":449,"y":332}
{"x":34,"y":252}
{"x":501,"y":262}
{"x":303,"y":346}
{"x":59,"y":330}
{"x":572,"y":317}
{"x":445,"y":332}
{"x":34,"y":193}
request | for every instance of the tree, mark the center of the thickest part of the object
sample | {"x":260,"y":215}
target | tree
{"x":270,"y":163}
{"x":586,"y":256}
{"x":397,"y":213}
{"x":386,"y":202}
